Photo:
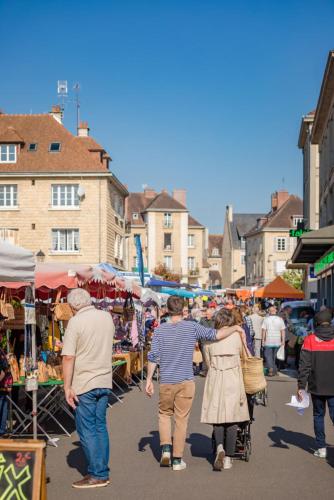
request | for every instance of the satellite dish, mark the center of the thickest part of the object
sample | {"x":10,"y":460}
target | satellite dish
{"x":81,"y":191}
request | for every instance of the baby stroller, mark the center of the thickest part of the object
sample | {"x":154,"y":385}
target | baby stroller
{"x":243,"y":447}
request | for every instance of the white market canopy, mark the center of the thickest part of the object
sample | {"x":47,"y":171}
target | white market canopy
{"x":16,"y":264}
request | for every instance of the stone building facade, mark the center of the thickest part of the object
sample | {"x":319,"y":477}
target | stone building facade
{"x":58,"y":197}
{"x":169,"y":235}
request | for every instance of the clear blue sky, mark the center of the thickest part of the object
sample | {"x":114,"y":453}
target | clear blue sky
{"x":205,"y":95}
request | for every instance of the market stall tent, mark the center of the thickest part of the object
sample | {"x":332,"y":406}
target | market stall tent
{"x":279,"y":289}
{"x":17,"y":265}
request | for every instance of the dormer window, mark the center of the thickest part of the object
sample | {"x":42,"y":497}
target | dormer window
{"x":215,"y":252}
{"x":135,"y":216}
{"x":54,"y":147}
{"x":7,"y":153}
{"x":32,"y":147}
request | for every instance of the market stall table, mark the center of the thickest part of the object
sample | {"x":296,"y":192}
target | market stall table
{"x":51,"y":401}
{"x":133,"y":364}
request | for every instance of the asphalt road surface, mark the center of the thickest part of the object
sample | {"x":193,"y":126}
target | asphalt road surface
{"x":281,"y":466}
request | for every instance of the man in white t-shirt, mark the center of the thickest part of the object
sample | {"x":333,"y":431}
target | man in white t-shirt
{"x":273,"y":336}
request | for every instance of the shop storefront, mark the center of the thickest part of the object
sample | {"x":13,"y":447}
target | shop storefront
{"x":316,"y":248}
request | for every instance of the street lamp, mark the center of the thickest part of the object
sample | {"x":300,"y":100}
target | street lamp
{"x":40,"y":256}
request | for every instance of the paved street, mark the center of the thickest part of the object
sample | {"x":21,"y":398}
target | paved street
{"x":281,"y":465}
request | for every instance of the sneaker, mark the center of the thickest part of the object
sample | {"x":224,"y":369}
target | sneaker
{"x":165,"y":460}
{"x":227,"y":463}
{"x":219,"y":460}
{"x":321,"y":453}
{"x":179,"y":464}
{"x":90,"y":482}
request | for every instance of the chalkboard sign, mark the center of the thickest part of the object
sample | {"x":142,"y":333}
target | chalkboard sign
{"x":22,"y":469}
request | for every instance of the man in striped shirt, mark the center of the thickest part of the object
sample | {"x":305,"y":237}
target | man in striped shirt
{"x":172,"y":348}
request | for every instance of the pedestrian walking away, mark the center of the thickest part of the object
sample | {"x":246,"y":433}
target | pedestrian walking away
{"x":224,"y":400}
{"x":172,"y":348}
{"x":273,"y":337}
{"x":316,"y":369}
{"x":257,"y":321}
{"x":87,"y":366}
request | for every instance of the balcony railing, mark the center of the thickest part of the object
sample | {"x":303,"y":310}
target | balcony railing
{"x":168,"y":248}
{"x":193,"y":272}
{"x":167,"y":224}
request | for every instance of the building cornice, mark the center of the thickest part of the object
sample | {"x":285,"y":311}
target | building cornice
{"x":68,"y":175}
{"x":325,"y":100}
{"x":180,"y":210}
{"x":268,"y":230}
{"x":304,"y":127}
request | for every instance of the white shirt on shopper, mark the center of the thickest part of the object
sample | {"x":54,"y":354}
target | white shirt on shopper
{"x":257,"y":321}
{"x":273,"y":325}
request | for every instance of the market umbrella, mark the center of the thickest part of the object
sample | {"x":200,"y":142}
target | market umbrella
{"x":279,"y":289}
{"x":178,"y":292}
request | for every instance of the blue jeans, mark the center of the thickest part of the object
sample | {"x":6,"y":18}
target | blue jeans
{"x":270,"y":357}
{"x":3,"y":413}
{"x":91,"y":423}
{"x":319,"y":411}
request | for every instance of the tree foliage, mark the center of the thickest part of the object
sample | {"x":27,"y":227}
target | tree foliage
{"x":162,"y":271}
{"x":294,"y":277}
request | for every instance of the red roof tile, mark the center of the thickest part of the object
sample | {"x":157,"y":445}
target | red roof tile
{"x":44,"y":129}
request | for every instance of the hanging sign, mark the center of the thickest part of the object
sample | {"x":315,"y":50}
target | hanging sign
{"x":297,"y":233}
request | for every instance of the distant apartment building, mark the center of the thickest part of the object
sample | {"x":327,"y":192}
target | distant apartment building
{"x":269,"y":245}
{"x":310,"y":172}
{"x":215,"y":260}
{"x":316,"y":248}
{"x":169,"y":235}
{"x":58,"y":196}
{"x":234,"y":247}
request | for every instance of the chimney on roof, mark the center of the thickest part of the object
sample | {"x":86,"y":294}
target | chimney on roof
{"x":229,"y":213}
{"x":83,"y":129}
{"x":149,"y":193}
{"x":180,"y":195}
{"x":57,"y":113}
{"x":278,"y":199}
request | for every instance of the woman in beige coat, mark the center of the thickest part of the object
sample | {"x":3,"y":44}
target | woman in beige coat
{"x":224,"y":400}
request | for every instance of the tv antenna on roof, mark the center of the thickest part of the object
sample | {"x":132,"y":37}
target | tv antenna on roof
{"x":62,"y":91}
{"x":76,"y":89}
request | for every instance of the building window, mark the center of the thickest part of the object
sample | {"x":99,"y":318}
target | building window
{"x":7,"y":153}
{"x":8,"y":195}
{"x":135,"y":262}
{"x":242,"y":259}
{"x":135,"y":216}
{"x":54,"y":147}
{"x":281,"y":244}
{"x":296,"y":220}
{"x":168,"y":220}
{"x":10,"y":235}
{"x":191,"y":263}
{"x":242,"y":243}
{"x":65,"y":240}
{"x":32,"y":147}
{"x":65,"y":195}
{"x":167,"y":241}
{"x":215,"y":252}
{"x":168,"y":261}
{"x":191,"y":240}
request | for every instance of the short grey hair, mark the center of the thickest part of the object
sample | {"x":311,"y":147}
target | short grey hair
{"x":79,"y":298}
{"x":196,"y":313}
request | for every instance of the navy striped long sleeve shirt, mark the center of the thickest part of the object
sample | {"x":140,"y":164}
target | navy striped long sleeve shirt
{"x":173,"y":346}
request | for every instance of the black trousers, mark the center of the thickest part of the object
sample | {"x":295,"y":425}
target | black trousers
{"x":226,"y":434}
